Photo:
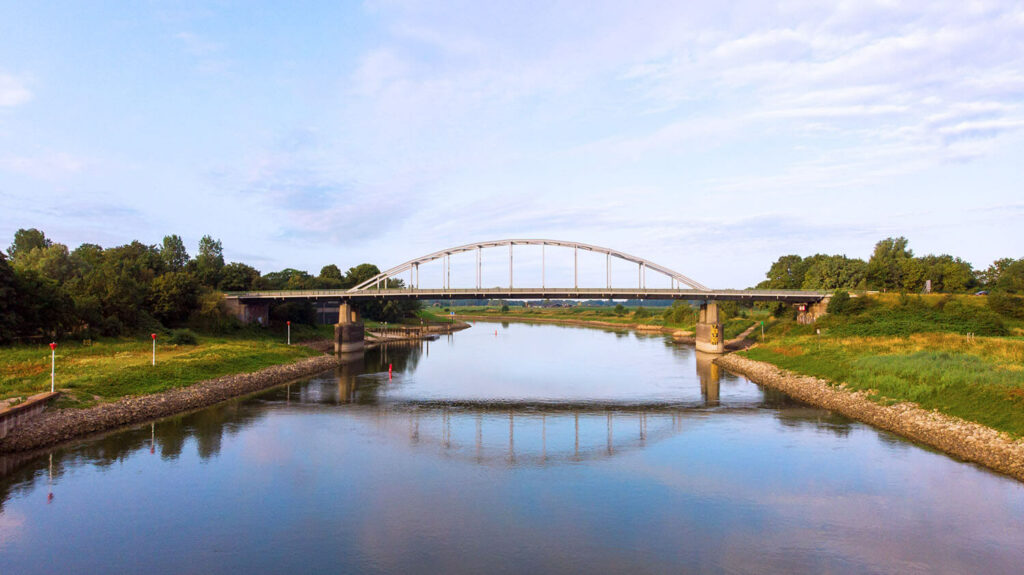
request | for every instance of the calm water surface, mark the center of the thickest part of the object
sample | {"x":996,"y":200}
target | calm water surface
{"x":532,"y":449}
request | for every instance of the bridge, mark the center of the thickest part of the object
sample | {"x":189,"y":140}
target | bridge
{"x":254,"y":305}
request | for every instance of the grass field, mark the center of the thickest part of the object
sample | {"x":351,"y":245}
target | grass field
{"x":919,"y":349}
{"x":110,"y":369}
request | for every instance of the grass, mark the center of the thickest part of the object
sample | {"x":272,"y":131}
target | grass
{"x":979,"y":379}
{"x":110,"y":369}
{"x":581,"y":313}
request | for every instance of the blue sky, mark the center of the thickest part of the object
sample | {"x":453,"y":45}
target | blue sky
{"x":708,"y":137}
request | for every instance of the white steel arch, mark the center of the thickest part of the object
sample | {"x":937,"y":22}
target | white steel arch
{"x":412,"y":266}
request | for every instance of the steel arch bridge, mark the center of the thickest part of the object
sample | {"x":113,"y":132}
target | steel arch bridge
{"x":413,"y":265}
{"x":377,"y":288}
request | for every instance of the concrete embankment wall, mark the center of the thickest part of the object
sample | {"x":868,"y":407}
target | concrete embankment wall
{"x":19,"y":414}
{"x":964,"y":439}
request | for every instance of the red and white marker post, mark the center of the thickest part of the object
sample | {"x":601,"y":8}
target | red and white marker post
{"x":289,"y":323}
{"x":53,"y":365}
{"x":153,"y":335}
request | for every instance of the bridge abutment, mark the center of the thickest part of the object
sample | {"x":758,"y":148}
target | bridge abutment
{"x":249,"y":311}
{"x":349,"y":333}
{"x":709,"y":329}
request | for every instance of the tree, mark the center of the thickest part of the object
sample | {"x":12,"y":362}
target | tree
{"x":786,"y":273}
{"x":833,"y":272}
{"x":9,"y":320}
{"x":948,"y":274}
{"x":174,"y":296}
{"x":43,"y":306}
{"x":990,"y":276}
{"x":288,"y":278}
{"x":237,"y":276}
{"x":359,"y":274}
{"x":51,"y":261}
{"x":330,"y":272}
{"x":209,"y":261}
{"x":1012,"y":278}
{"x":26,"y":241}
{"x":888,"y":264}
{"x":173,"y":253}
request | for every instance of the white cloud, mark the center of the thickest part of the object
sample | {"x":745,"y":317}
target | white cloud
{"x":13,"y":91}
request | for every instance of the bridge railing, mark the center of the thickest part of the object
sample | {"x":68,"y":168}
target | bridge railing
{"x":572,"y":293}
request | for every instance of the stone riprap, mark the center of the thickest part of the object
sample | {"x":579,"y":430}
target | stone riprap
{"x":963,"y":439}
{"x":60,"y":425}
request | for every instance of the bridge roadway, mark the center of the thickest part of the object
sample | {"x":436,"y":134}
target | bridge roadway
{"x":370,"y":294}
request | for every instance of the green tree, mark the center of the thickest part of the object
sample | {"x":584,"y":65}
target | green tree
{"x":173,"y":296}
{"x":26,"y":241}
{"x":9,"y":319}
{"x":358,"y":274}
{"x":209,"y":261}
{"x":989,"y":277}
{"x":237,"y":276}
{"x":833,"y":272}
{"x":888,"y":264}
{"x":52,"y":261}
{"x":786,"y":273}
{"x":43,"y":306}
{"x":330,"y":272}
{"x":173,"y":253}
{"x":288,"y":278}
{"x":948,"y":274}
{"x":1012,"y":277}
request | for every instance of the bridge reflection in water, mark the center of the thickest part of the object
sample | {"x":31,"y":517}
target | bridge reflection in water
{"x":509,"y":432}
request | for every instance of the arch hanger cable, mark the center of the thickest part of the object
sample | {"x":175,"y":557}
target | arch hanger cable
{"x":412,"y":266}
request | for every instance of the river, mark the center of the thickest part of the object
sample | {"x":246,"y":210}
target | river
{"x":509,"y":448}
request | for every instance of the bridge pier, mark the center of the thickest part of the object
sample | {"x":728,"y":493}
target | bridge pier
{"x":348,"y":334}
{"x":710,"y":377}
{"x":709,"y":329}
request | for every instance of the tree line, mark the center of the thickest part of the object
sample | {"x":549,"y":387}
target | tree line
{"x":893,"y":267}
{"x":48,"y":290}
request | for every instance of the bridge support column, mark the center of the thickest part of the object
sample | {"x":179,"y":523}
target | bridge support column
{"x":710,"y":376}
{"x":348,"y":334}
{"x":709,"y":329}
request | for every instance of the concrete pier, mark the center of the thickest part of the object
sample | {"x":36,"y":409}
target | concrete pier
{"x":348,"y":334}
{"x":710,"y":335}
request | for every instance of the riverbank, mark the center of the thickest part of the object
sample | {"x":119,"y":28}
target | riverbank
{"x":680,"y":335}
{"x":89,"y":373}
{"x":966,"y":440}
{"x":60,"y":425}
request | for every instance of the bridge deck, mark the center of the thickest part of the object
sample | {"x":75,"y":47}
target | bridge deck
{"x":790,"y":296}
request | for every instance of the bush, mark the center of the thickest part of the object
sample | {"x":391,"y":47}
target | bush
{"x":620,"y":309}
{"x":183,"y":337}
{"x":504,"y":308}
{"x":1006,"y":304}
{"x":641,"y":313}
{"x":842,"y":304}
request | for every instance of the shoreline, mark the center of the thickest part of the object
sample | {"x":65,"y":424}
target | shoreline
{"x":58,"y":426}
{"x":965,"y":440}
{"x":642,"y":327}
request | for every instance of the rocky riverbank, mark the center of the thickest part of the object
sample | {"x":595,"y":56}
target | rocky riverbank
{"x":963,"y":439}
{"x":60,"y":425}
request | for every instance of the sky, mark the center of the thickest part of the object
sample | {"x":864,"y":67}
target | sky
{"x":708,"y":137}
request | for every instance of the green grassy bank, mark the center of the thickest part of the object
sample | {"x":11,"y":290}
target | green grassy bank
{"x":672,"y":318}
{"x":109,"y":369}
{"x":952,"y":354}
